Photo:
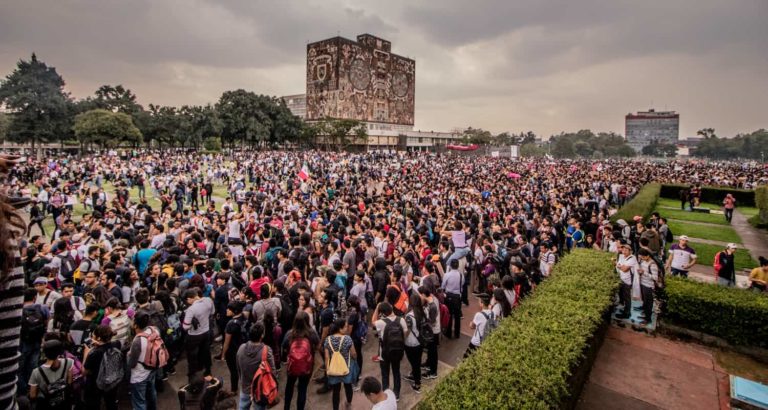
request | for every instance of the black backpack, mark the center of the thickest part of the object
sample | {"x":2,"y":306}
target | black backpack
{"x":425,"y":336}
{"x":56,"y":392}
{"x":67,"y":265}
{"x":158,"y":320}
{"x":669,"y":238}
{"x":393,"y":340}
{"x":33,"y":325}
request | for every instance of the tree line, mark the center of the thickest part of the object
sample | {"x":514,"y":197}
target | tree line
{"x":40,"y":110}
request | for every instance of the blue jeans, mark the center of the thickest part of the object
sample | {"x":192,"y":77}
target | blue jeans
{"x":458,"y":253}
{"x":29,"y":359}
{"x":143,"y":394}
{"x":247,"y":404}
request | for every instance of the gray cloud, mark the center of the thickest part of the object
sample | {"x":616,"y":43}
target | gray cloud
{"x":546,"y":65}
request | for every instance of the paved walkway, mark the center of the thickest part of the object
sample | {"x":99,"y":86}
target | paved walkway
{"x":755,"y":240}
{"x":635,"y":371}
{"x":705,"y":241}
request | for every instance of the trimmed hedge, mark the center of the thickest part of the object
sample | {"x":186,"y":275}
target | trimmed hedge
{"x":711,"y":194}
{"x":642,"y":204}
{"x":736,"y":315}
{"x":529,"y":361}
{"x":761,"y":201}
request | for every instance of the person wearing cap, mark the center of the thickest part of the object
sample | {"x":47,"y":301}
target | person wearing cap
{"x":725,"y":268}
{"x":45,"y":296}
{"x":626,"y":266}
{"x":682,"y":257}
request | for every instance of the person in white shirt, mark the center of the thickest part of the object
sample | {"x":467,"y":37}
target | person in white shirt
{"x":45,"y":296}
{"x":626,"y":266}
{"x":381,"y":399}
{"x":649,"y":275}
{"x":478,"y":324}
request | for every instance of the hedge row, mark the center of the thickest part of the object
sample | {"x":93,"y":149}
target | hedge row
{"x":761,"y":201}
{"x":528,"y":361}
{"x":736,"y":315}
{"x":642,"y":204}
{"x":714,"y":195}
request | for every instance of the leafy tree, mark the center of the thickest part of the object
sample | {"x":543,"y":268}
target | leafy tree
{"x":162,"y":125}
{"x":659,"y":149}
{"x":477,"y":136}
{"x":341,"y":133}
{"x":117,"y":99}
{"x":527,"y":138}
{"x":196,"y":124}
{"x":532,"y":150}
{"x":34,"y":95}
{"x":105,"y":128}
{"x":707,"y":133}
{"x":212,"y":144}
{"x":5,"y":123}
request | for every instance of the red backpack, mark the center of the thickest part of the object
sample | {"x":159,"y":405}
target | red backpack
{"x":445,"y":316}
{"x":300,"y":360}
{"x":156,"y":355}
{"x":264,"y":385}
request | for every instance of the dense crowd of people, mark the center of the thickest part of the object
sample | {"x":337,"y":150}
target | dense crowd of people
{"x":273,"y":261}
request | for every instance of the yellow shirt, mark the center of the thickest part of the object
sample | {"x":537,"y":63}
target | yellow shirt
{"x":759,"y":274}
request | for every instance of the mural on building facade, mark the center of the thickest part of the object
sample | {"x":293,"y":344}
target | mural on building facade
{"x":359,"y":80}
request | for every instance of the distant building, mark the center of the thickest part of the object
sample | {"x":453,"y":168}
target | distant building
{"x":297,"y":104}
{"x":645,"y":127}
{"x":361,"y":80}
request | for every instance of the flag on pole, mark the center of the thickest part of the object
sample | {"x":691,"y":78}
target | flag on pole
{"x":304,"y":173}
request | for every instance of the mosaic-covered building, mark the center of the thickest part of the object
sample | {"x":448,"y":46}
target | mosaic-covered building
{"x":360,"y":80}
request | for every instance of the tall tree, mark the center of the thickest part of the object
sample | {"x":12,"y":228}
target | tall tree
{"x":162,"y":125}
{"x":105,"y":129}
{"x":5,"y":123}
{"x":196,"y":124}
{"x":117,"y":99}
{"x":34,"y":94}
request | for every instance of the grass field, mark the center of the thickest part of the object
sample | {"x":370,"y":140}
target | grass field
{"x":705,"y":255}
{"x":692,"y":216}
{"x":748,"y":211}
{"x":714,"y":233}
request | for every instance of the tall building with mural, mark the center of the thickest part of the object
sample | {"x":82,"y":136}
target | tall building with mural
{"x":361,"y":80}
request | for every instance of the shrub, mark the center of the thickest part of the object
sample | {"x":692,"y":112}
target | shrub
{"x":736,"y":315}
{"x":715,"y":195}
{"x":761,"y":201}
{"x":642,"y":204}
{"x":528,"y":361}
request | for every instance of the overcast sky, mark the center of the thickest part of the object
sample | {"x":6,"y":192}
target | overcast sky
{"x":503,"y":65}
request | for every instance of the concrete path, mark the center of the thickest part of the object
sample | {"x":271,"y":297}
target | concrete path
{"x":698,"y":223}
{"x":755,"y":240}
{"x":637,"y":371}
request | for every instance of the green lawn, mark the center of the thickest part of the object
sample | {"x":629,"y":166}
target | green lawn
{"x":705,"y":255}
{"x":714,"y":233}
{"x":748,"y":211}
{"x":692,"y":216}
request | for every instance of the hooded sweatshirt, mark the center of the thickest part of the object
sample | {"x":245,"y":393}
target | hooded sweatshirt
{"x":248,"y":361}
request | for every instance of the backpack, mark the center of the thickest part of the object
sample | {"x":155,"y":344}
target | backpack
{"x":156,"y":355}
{"x":156,"y":319}
{"x":393,"y":339}
{"x":445,"y":316}
{"x":33,"y":325}
{"x":423,"y":330}
{"x":337,"y":366}
{"x":174,"y":327}
{"x":717,"y":264}
{"x":111,"y":370}
{"x":669,"y":238}
{"x":264,"y":385}
{"x":78,"y":274}
{"x":402,"y":300}
{"x":300,"y":360}
{"x":56,"y":392}
{"x":68,"y":267}
{"x":489,"y":326}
